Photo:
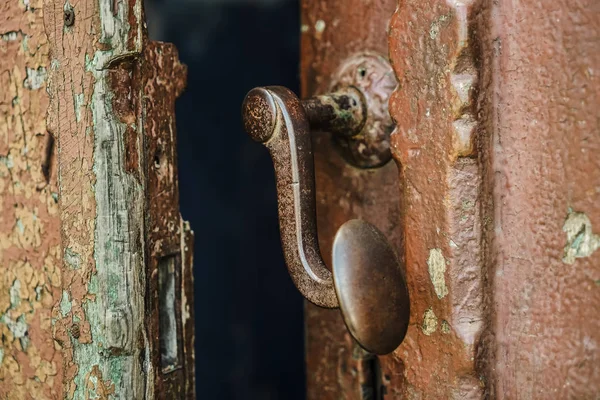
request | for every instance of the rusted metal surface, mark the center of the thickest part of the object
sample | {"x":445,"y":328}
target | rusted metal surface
{"x":342,"y":113}
{"x":370,"y":287}
{"x":334,"y":32}
{"x":289,"y":143}
{"x":433,"y":52}
{"x":30,"y":253}
{"x":372,"y":74}
{"x":168,"y":238}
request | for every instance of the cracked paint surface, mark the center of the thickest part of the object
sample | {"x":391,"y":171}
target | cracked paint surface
{"x":99,"y":321}
{"x":30,"y":279}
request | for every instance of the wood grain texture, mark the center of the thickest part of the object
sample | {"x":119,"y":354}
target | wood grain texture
{"x":101,"y":204}
{"x":30,"y":255}
{"x":112,"y":106}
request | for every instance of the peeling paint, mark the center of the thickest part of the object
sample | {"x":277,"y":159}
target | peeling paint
{"x":36,"y":78}
{"x":18,"y":328}
{"x":437,"y":270}
{"x":445,"y":327}
{"x":100,"y":319}
{"x":430,"y":322}
{"x":434,"y":29}
{"x":10,"y":36}
{"x":72,"y":259}
{"x":320,"y":26}
{"x":65,"y":304}
{"x":30,"y":363}
{"x":581,"y":240}
{"x":79,"y":100}
{"x":15,"y":291}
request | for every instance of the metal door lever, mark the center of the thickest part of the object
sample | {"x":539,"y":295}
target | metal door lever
{"x":367,"y":281}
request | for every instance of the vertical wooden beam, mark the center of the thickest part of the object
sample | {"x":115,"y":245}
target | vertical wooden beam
{"x":112,"y":112}
{"x":93,"y":111}
{"x":30,"y":255}
{"x":497,"y":138}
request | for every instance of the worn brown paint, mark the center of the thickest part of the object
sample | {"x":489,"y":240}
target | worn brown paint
{"x":540,"y":139}
{"x":434,"y":56}
{"x":30,"y":255}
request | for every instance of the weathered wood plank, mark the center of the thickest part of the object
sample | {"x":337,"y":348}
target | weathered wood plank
{"x":100,"y":320}
{"x":112,"y":111}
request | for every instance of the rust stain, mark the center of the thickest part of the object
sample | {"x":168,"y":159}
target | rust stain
{"x":167,"y":235}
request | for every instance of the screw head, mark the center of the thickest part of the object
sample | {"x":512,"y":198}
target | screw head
{"x":69,"y":17}
{"x":259,"y":113}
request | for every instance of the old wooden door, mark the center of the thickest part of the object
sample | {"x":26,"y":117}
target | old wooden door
{"x":493,"y":200}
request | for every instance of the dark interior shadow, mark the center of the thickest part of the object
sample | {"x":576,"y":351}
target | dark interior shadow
{"x":249,"y":323}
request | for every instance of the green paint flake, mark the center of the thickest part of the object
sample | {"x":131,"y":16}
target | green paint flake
{"x":20,"y":226}
{"x":18,"y":328}
{"x":72,"y":259}
{"x":15,"y":294}
{"x":38,"y":293}
{"x":8,"y":161}
{"x":24,"y":342}
{"x":65,"y":304}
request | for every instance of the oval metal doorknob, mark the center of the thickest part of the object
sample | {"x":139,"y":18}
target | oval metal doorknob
{"x":370,"y":287}
{"x":368,"y":282}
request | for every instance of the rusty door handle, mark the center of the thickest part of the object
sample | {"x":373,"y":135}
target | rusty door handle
{"x":367,"y":281}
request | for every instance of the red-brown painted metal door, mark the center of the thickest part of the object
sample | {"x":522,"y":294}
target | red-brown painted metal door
{"x":493,"y":201}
